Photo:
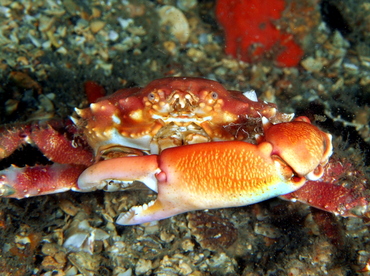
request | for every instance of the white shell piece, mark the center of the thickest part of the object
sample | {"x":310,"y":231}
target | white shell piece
{"x":76,"y":240}
{"x":124,"y":22}
{"x":128,"y":272}
{"x":251,"y":94}
{"x":100,"y":235}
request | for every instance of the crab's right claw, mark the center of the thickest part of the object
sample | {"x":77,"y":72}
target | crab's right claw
{"x":195,"y":177}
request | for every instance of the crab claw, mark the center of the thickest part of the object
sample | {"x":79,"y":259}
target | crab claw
{"x":300,"y":144}
{"x":194,"y":177}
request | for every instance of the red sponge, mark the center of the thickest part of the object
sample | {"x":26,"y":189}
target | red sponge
{"x":250,"y":31}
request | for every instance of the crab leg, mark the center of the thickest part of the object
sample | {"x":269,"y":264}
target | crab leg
{"x":71,"y":157}
{"x":40,"y":180}
{"x":54,"y":145}
{"x":193,"y":177}
{"x":342,"y":190}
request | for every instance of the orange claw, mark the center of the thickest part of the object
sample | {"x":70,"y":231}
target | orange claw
{"x":194,"y":177}
{"x":302,"y":145}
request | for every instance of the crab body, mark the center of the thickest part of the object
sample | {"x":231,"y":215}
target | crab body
{"x":196,"y":144}
{"x":172,"y":112}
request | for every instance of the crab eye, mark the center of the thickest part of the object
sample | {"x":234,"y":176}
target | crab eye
{"x":214,"y":95}
{"x":151,"y":97}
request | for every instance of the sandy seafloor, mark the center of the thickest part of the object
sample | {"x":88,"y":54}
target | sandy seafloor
{"x":50,"y":48}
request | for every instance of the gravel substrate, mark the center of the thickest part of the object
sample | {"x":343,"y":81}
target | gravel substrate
{"x":49,"y":49}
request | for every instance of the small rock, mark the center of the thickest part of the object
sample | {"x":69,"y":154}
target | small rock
{"x":186,"y":5}
{"x":313,"y":65}
{"x":49,"y":263}
{"x":174,"y":19}
{"x":45,"y":23}
{"x":96,"y":26}
{"x":143,"y":266}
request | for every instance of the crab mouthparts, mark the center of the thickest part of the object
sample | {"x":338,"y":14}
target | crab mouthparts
{"x":182,"y":118}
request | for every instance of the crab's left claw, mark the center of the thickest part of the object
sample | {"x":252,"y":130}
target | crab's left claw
{"x":194,"y":177}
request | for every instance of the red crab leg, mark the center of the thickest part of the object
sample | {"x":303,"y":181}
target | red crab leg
{"x":53,"y":144}
{"x":11,"y":139}
{"x":57,"y":147}
{"x":63,"y":147}
{"x":40,"y":180}
{"x":334,"y":193}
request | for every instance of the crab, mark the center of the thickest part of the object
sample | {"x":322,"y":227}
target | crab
{"x":194,"y":143}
